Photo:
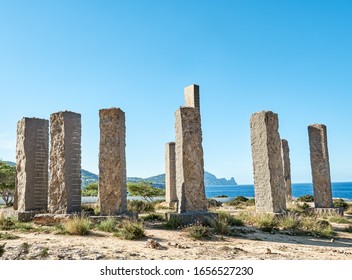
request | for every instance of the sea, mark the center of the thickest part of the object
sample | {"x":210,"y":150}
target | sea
{"x":339,"y":190}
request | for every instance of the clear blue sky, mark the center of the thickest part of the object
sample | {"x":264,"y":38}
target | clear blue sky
{"x":291,"y":57}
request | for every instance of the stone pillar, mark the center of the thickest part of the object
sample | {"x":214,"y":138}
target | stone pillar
{"x":319,"y":159}
{"x":65,"y":163}
{"x":112,"y":162}
{"x":170,"y":174}
{"x":267,"y":163}
{"x":285,"y":154}
{"x":32,"y":157}
{"x":192,"y":96}
{"x":189,"y":161}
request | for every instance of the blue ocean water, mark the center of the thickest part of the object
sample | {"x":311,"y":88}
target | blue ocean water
{"x":339,"y":190}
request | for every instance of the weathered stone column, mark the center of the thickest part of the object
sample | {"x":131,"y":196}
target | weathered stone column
{"x":319,"y":159}
{"x":170,"y":174}
{"x":65,"y":163}
{"x":112,"y":162}
{"x":191,"y":94}
{"x":267,"y":163}
{"x":189,"y":161}
{"x":285,"y":154}
{"x":32,"y":157}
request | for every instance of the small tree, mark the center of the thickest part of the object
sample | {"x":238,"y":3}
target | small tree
{"x":145,"y":190}
{"x":90,"y":190}
{"x":7,"y":182}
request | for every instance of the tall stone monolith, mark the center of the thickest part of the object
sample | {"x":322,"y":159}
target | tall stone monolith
{"x":286,"y":164}
{"x":189,"y":161}
{"x":65,"y":163}
{"x":267,"y":163}
{"x":191,"y":94}
{"x":170,"y":174}
{"x":319,"y":158}
{"x":32,"y":157}
{"x":112,"y":162}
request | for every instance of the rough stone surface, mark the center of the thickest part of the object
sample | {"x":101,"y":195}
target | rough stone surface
{"x":191,"y":94}
{"x":267,"y":163}
{"x":32,"y":157}
{"x":286,"y":163}
{"x":112,"y":162}
{"x":65,"y":163}
{"x":170,"y":174}
{"x":192,"y":217}
{"x":189,"y":161}
{"x":327,"y":211}
{"x":319,"y":159}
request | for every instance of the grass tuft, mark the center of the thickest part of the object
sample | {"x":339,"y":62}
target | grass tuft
{"x":108,"y":225}
{"x":130,"y":231}
{"x":198,"y":231}
{"x":77,"y":226}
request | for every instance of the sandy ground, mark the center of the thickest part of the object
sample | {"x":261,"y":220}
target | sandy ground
{"x":176,"y":245}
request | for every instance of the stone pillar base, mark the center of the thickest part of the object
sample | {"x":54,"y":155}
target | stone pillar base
{"x":327,"y":211}
{"x":192,"y":217}
{"x":26,"y":216}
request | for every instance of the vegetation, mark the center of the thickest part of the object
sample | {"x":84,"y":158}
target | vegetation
{"x":154,"y":217}
{"x":90,"y":190}
{"x":44,"y":253}
{"x":7,"y":182}
{"x":198,"y":231}
{"x":2,"y":250}
{"x":306,"y":198}
{"x":8,"y":236}
{"x":339,"y":220}
{"x":241,"y":201}
{"x":130,"y":231}
{"x":339,"y":202}
{"x":140,"y":206}
{"x":109,"y":225}
{"x":77,"y":226}
{"x":145,"y":190}
{"x":173,"y":223}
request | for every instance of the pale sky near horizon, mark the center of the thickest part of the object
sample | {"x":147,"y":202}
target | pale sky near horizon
{"x":290,"y":57}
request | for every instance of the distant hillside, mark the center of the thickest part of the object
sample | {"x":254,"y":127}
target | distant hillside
{"x":209,"y":179}
{"x":88,"y":177}
{"x":158,"y":180}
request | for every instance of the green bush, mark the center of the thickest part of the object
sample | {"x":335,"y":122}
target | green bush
{"x":91,"y":189}
{"x":220,"y":226}
{"x":306,"y":198}
{"x":108,"y":225}
{"x":77,"y":226}
{"x":153,"y":217}
{"x":7,"y":223}
{"x":173,"y":223}
{"x":140,"y":206}
{"x":198,"y":231}
{"x":339,"y":202}
{"x":145,"y":190}
{"x":267,"y":222}
{"x":230,"y":219}
{"x":130,"y":231}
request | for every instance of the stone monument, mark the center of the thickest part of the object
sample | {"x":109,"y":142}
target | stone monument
{"x":112,"y":162}
{"x":285,"y":153}
{"x":269,"y":185}
{"x":65,"y":163}
{"x":319,"y":158}
{"x":170,"y":174}
{"x":32,"y":156}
